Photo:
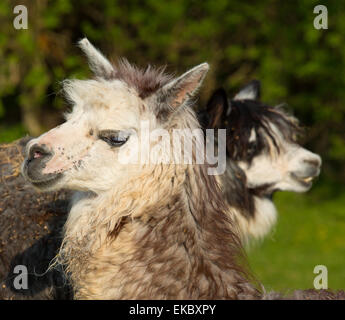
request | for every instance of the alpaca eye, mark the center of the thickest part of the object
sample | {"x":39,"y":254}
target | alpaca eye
{"x":114,"y":138}
{"x":116,"y":141}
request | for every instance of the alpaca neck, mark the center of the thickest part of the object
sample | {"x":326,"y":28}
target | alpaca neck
{"x":256,"y":227}
{"x":254,"y":212}
{"x":170,"y":246}
{"x":264,"y":219}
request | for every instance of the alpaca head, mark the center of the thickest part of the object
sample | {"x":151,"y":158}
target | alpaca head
{"x":109,"y":116}
{"x":262,"y":141}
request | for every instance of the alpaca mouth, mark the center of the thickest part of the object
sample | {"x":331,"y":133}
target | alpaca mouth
{"x":46,"y":183}
{"x":306,"y":181}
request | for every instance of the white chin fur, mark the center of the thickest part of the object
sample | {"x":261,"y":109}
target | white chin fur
{"x":258,"y":227}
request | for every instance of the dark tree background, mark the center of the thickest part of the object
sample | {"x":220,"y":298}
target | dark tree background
{"x":271,"y":40}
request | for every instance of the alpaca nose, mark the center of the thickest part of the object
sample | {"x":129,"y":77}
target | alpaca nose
{"x":313,"y":165}
{"x":314,"y":161}
{"x":39,"y":152}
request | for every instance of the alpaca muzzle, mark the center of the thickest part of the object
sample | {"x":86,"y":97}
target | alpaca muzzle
{"x":309,"y":171}
{"x":36,"y":158}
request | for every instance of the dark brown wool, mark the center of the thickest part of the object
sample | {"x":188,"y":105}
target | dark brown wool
{"x":144,"y":81}
{"x":206,"y":258}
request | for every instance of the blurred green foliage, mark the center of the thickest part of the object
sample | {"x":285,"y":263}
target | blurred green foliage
{"x":270,"y":40}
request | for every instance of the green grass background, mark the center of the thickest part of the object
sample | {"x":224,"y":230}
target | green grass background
{"x":310,"y":231}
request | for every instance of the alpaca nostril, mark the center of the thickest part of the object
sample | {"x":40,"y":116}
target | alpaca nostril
{"x":313,"y":162}
{"x":37,"y":152}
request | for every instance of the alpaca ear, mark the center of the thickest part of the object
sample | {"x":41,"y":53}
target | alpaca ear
{"x":99,"y":64}
{"x":251,"y":91}
{"x":178,"y":92}
{"x":216,"y":107}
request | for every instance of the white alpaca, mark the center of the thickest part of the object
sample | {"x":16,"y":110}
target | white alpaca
{"x":137,"y":231}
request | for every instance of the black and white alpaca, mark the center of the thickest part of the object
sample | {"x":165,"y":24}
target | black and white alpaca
{"x":263,"y":156}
